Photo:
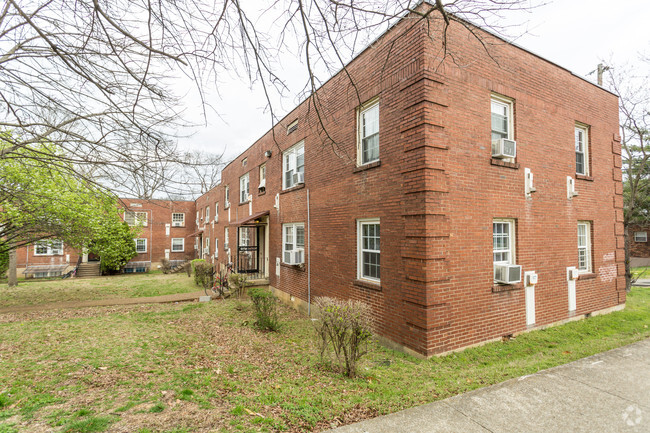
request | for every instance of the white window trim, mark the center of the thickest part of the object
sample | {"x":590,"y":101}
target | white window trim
{"x":512,"y":250}
{"x":262,"y":177}
{"x":360,"y":250}
{"x":243,"y":193}
{"x":586,"y":247}
{"x":216,"y":248}
{"x":509,"y":103}
{"x":182,"y":220}
{"x":226,"y":245}
{"x":585,"y":133}
{"x":182,"y":250}
{"x":292,"y":151}
{"x":138,"y":217}
{"x":216,"y":212}
{"x":294,"y":234}
{"x":360,"y":111}
{"x":207,"y":214}
{"x":49,"y":249}
{"x":226,"y":195}
{"x":640,"y":236}
{"x":136,"y":245}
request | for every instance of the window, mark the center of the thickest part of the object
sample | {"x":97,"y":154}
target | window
{"x":262,"y":187}
{"x":178,"y":220}
{"x":584,"y":246}
{"x":178,"y":245}
{"x":502,"y":124}
{"x":216,"y":212}
{"x":216,"y":248}
{"x":244,"y":237}
{"x":582,"y":149}
{"x":197,"y":217}
{"x":293,"y":126}
{"x":135,"y":218}
{"x":503,"y":242}
{"x":243,"y":188}
{"x":141,"y":245}
{"x":226,"y":204}
{"x":368,"y":126}
{"x":48,"y":248}
{"x":225,"y":237}
{"x":293,"y":165}
{"x":368,"y":251}
{"x":640,"y":236}
{"x":293,"y":243}
{"x":207,"y":214}
{"x":244,"y":162}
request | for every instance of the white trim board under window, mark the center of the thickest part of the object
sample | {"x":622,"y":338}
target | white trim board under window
{"x":584,"y":246}
{"x":582,"y":149}
{"x":368,"y":133}
{"x":178,"y":245}
{"x":293,"y":166}
{"x":293,"y":243}
{"x":640,"y":236}
{"x":48,"y":248}
{"x":368,"y":250}
{"x":503,"y":242}
{"x":141,"y":245}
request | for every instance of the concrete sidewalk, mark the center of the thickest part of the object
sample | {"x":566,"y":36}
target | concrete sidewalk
{"x":178,"y":297}
{"x":608,"y":392}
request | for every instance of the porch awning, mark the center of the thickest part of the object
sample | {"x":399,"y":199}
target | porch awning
{"x":196,"y":234}
{"x":250,"y":218}
{"x":33,"y":269}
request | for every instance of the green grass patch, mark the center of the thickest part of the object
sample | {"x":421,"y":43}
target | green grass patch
{"x":36,"y":291}
{"x":199,"y":363}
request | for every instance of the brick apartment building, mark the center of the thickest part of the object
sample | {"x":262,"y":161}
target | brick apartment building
{"x":165,"y":232}
{"x":639,"y":245}
{"x":420,"y":207}
{"x":463,"y":200}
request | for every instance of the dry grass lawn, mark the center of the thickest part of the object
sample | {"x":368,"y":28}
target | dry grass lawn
{"x":204,"y":368}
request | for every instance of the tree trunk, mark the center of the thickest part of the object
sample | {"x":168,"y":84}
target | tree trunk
{"x":13,"y":280}
{"x":628,"y":270}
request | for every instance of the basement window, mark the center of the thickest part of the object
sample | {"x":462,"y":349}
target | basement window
{"x":640,"y":236}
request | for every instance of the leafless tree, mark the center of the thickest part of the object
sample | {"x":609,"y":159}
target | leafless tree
{"x":97,"y":77}
{"x":630,"y":83}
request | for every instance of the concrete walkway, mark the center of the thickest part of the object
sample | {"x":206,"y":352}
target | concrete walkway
{"x":178,"y":297}
{"x":608,"y":392}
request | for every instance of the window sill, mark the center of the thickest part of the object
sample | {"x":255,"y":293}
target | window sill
{"x":293,"y":188}
{"x":583,"y":177}
{"x":261,"y":192}
{"x":243,"y":202}
{"x":587,"y":276}
{"x":300,"y":267}
{"x":367,"y":166}
{"x":501,"y":163}
{"x":367,"y":285}
{"x":498,"y":288}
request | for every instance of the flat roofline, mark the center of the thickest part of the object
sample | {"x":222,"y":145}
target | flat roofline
{"x":432,"y":3}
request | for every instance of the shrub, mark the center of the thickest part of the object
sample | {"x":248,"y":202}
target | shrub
{"x":238,"y":283}
{"x":266,"y":308}
{"x":203,"y":274}
{"x":343,"y":329}
{"x":165,"y":266}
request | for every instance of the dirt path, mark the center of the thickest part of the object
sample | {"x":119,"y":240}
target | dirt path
{"x":178,"y":297}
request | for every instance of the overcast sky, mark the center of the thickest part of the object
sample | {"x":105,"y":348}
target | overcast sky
{"x":575,"y":34}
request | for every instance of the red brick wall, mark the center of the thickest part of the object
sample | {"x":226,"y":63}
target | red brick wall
{"x":26,"y":256}
{"x":437,"y":191}
{"x":159,"y":215}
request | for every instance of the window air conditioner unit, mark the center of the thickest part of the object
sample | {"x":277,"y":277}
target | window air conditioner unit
{"x":177,"y":224}
{"x":262,"y":184}
{"x":504,"y":148}
{"x":507,"y":274}
{"x":225,"y":247}
{"x":298,"y":257}
{"x":226,"y":205}
{"x":574,"y":274}
{"x":298,"y":177}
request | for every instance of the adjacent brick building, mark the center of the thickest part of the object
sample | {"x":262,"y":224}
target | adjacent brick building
{"x":166,"y":229}
{"x":407,"y":208}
